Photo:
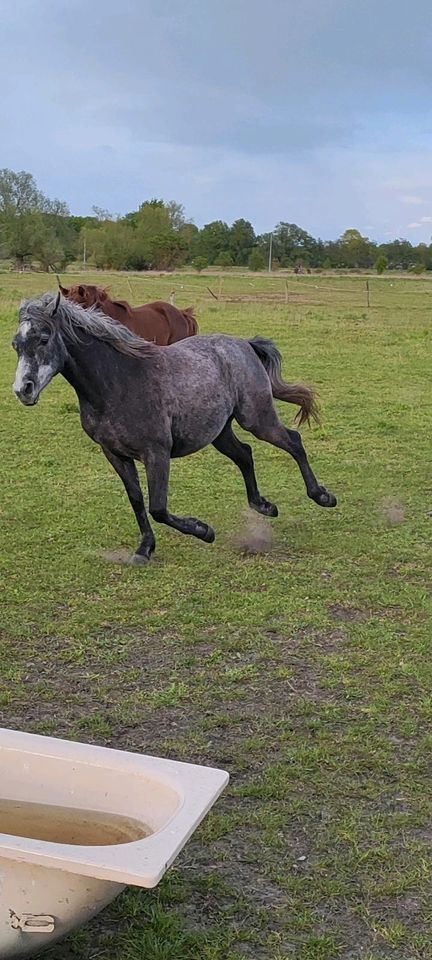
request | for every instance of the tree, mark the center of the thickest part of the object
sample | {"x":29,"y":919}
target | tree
{"x":241,"y":241}
{"x":423,"y":255}
{"x":224,"y":259}
{"x":381,"y":263}
{"x":200,"y":263}
{"x":19,"y":194}
{"x":356,"y":251}
{"x":400,"y":254}
{"x":291,"y":243}
{"x":212,"y":240}
{"x":167,"y":251}
{"x":33,"y":227}
{"x":177,"y":216}
{"x":256,"y":259}
{"x":101,"y":214}
{"x":189,"y":233}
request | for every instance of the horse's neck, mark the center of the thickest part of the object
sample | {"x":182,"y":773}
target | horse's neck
{"x":87,"y":370}
{"x":116,"y":309}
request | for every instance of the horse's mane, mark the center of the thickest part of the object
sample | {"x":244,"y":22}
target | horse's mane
{"x":102,"y":292}
{"x":72,"y":320}
{"x":102,"y":296}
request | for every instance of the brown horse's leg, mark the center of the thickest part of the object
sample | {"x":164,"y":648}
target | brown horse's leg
{"x":157,"y":464}
{"x":241,"y":454}
{"x":128,"y":473}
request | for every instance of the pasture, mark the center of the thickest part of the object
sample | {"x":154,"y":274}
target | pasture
{"x":298,"y":660}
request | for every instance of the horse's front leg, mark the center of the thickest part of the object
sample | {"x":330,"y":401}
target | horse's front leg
{"x":157,"y":464}
{"x":128,"y":473}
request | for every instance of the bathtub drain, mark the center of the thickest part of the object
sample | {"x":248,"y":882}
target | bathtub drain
{"x":30,"y":923}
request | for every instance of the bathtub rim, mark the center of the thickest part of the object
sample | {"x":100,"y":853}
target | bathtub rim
{"x":138,"y":863}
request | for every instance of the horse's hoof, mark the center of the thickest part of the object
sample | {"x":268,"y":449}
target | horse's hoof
{"x":206,"y":533}
{"x":325,"y":499}
{"x":140,"y":560}
{"x":265,"y":508}
{"x":210,"y":535}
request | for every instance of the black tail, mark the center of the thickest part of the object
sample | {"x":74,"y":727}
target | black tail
{"x":298,"y":393}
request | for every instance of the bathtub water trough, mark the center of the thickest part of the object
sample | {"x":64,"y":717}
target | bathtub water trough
{"x":78,"y":823}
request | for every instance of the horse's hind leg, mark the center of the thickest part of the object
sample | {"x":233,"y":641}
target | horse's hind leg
{"x":128,"y":473}
{"x":157,"y":464}
{"x":241,"y":454}
{"x":267,"y":426}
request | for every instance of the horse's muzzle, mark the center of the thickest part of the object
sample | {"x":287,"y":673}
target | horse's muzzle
{"x":27,"y":394}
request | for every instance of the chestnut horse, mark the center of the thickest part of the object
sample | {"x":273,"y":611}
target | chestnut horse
{"x":159,"y":322}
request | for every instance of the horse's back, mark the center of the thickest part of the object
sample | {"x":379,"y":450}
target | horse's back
{"x":233,"y":356}
{"x":182,"y":323}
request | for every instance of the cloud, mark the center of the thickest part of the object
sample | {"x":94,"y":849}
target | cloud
{"x":412,"y":199}
{"x":419,"y":223}
{"x":321,"y":118}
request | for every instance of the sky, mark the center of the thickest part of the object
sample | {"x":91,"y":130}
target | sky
{"x":316,"y":112}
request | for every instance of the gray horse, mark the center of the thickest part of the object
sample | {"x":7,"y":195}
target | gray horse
{"x":146,"y":403}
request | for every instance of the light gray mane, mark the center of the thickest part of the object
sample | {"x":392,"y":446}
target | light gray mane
{"x":71,"y":320}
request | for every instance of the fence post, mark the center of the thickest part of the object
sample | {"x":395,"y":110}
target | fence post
{"x":286,"y":290}
{"x":367,"y":293}
{"x":172,"y":298}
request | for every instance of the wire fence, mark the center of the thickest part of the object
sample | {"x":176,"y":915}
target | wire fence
{"x":343,"y":292}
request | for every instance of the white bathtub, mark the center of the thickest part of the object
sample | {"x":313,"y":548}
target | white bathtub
{"x":78,"y":823}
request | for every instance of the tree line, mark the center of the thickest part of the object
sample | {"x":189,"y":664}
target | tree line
{"x":37,"y":230}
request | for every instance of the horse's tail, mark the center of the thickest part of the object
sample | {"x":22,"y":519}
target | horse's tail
{"x":189,"y":313}
{"x":298,"y":393}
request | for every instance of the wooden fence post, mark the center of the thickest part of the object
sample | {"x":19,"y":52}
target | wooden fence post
{"x":367,"y":293}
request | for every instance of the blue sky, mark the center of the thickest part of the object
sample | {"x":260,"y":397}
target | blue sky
{"x":315,"y":111}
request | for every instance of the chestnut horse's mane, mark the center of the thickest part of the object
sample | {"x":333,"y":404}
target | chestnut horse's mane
{"x":103,"y":294}
{"x":158,"y":322}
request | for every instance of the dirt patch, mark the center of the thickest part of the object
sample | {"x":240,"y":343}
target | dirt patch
{"x":276,"y":298}
{"x":348,"y":614}
{"x":356,"y":615}
{"x":392,"y":511}
{"x":122,"y":556}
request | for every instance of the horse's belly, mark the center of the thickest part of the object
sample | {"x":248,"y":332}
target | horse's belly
{"x":184,"y":447}
{"x":196,"y":429}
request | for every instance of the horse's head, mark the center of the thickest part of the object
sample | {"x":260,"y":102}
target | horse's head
{"x":85,"y":294}
{"x":39,"y":347}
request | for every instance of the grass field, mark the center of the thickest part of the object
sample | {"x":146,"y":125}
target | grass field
{"x":305,"y":669}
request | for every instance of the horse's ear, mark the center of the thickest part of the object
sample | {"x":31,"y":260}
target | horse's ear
{"x":81,"y":290}
{"x":55,"y":305}
{"x":64,"y":290}
{"x":103,"y":296}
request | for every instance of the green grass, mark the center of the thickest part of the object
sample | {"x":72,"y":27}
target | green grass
{"x":304,"y":670}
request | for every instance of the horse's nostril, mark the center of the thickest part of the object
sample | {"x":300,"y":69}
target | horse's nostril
{"x":27,"y":388}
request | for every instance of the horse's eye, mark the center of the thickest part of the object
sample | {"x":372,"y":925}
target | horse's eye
{"x":44,"y":337}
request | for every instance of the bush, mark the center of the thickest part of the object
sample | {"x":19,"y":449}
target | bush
{"x":381,"y":264}
{"x":256,"y":260}
{"x":200,"y":263}
{"x":418,"y":268}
